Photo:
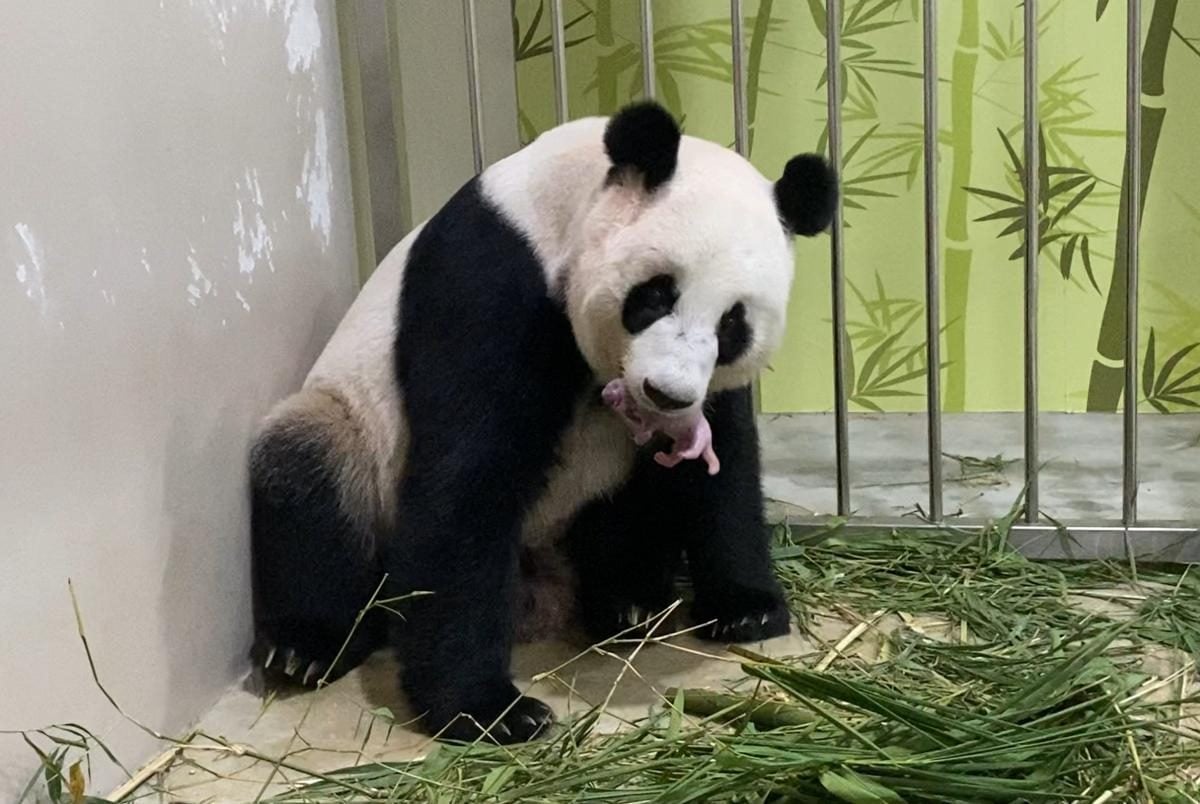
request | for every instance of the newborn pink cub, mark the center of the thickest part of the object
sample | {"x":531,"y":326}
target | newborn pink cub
{"x":692,"y":436}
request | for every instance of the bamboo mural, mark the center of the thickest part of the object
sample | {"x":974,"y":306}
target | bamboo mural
{"x":754,"y":57}
{"x":958,"y":255}
{"x":1107,"y":379}
{"x":1081,"y":200}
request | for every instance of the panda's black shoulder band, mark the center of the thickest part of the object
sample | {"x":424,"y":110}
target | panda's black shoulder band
{"x":806,"y":195}
{"x":644,"y":138}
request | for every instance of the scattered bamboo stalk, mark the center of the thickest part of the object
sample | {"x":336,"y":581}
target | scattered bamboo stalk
{"x":849,"y":639}
{"x":155,"y":766}
{"x":763,"y":713}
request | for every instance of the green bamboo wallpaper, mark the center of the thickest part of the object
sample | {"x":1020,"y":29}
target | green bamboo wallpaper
{"x":1081,"y":100}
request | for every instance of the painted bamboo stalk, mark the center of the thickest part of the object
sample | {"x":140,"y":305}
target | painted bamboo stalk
{"x":956,"y":266}
{"x":1107,"y":379}
{"x":608,"y":70}
{"x":754,"y":57}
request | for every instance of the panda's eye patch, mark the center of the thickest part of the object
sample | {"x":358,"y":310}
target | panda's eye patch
{"x":648,"y":302}
{"x":733,"y":335}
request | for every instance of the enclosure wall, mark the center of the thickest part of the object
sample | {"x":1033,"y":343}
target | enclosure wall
{"x":176,"y":245}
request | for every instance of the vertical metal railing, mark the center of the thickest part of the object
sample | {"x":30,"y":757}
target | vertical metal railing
{"x":649,"y":82}
{"x":558,"y":51}
{"x":833,"y":85}
{"x":741,"y":138}
{"x":1133,"y":169}
{"x":471,"y":24}
{"x":1031,"y":180}
{"x":933,"y":277}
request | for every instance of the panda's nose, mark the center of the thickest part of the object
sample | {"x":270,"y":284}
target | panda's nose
{"x":662,"y":399}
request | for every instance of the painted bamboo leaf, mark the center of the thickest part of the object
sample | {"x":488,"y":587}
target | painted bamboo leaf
{"x":1161,"y":389}
{"x":894,"y":361}
{"x":1063,"y":189}
{"x":526,"y":47}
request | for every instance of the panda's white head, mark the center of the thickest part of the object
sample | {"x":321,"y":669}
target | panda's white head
{"x":681,"y":277}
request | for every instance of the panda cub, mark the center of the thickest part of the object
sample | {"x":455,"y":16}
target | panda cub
{"x":536,"y":409}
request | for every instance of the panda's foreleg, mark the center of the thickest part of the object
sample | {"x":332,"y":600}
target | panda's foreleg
{"x":721,"y":520}
{"x":486,"y":410}
{"x":456,"y":552}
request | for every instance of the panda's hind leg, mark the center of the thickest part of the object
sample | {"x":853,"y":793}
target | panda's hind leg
{"x":315,"y":560}
{"x":626,"y":559}
{"x":626,"y":550}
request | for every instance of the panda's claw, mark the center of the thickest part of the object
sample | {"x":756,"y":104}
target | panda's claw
{"x":314,"y":670}
{"x":519,"y":721}
{"x":270,"y":657}
{"x":757,"y":620}
{"x":291,"y":663}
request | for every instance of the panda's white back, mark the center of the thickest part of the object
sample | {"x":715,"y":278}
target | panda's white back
{"x":358,"y":363}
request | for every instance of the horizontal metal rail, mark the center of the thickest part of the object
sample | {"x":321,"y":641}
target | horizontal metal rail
{"x":1167,"y":542}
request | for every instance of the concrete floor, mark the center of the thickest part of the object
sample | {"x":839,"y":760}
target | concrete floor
{"x":348,"y":723}
{"x":1080,"y":455}
{"x":345,"y":724}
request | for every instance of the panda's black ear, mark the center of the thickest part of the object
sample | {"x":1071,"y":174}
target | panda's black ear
{"x":806,"y":195}
{"x":644,"y":138}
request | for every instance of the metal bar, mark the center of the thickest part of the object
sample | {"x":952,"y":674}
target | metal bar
{"x":473,"y":89}
{"x":1133,"y":154}
{"x":741,"y":136}
{"x":1032,"y":247}
{"x":649,"y":82}
{"x":558,"y":50}
{"x":833,"y":84}
{"x":741,"y":131}
{"x":356,"y":139}
{"x":933,"y":277}
{"x":1166,"y":542}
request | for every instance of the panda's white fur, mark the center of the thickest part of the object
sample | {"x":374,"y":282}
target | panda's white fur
{"x":568,"y":228}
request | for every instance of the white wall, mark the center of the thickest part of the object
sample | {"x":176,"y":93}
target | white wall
{"x":176,"y":244}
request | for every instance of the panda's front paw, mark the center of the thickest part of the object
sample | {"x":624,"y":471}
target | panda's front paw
{"x":743,"y":615}
{"x":609,"y":617}
{"x":295,"y":655}
{"x":287,"y":666}
{"x":518,"y":720}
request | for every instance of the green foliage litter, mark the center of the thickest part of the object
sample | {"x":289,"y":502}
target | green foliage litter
{"x":1035,"y":699}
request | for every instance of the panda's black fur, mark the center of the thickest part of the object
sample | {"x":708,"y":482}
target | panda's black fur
{"x":486,"y":402}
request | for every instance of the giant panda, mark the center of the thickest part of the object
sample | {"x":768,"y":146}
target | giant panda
{"x":536,"y":412}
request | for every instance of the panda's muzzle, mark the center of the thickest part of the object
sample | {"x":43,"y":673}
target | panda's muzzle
{"x":664,"y":401}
